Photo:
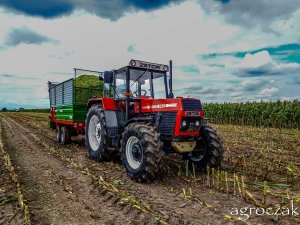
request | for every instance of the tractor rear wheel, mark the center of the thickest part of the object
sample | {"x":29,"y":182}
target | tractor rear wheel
{"x":58,"y":133}
{"x":95,"y":134}
{"x":209,"y":150}
{"x":65,"y":135}
{"x":141,"y":152}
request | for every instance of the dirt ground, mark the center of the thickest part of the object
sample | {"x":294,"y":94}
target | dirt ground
{"x":10,"y":212}
{"x":61,"y":185}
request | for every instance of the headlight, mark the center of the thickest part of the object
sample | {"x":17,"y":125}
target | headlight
{"x":183,"y":123}
{"x":197,"y":123}
{"x":132,"y":63}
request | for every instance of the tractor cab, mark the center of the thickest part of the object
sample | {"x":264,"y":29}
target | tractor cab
{"x":136,"y":82}
{"x":142,"y":82}
{"x":139,"y":80}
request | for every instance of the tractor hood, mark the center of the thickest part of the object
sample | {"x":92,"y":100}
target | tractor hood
{"x":171,"y":104}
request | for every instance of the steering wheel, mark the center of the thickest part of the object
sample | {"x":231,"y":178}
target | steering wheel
{"x":136,"y":93}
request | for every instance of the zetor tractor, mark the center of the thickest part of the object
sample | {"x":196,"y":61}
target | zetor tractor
{"x":145,"y":121}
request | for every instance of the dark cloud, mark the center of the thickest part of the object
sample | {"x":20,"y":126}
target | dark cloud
{"x":223,"y":1}
{"x":148,"y":5}
{"x":24,"y":35}
{"x":270,"y":69}
{"x":44,"y":8}
{"x":111,"y":9}
{"x":255,"y":12}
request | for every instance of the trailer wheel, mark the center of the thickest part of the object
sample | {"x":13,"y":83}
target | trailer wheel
{"x":65,"y":135}
{"x":95,"y":134}
{"x":209,"y":150}
{"x":141,"y":152}
{"x":58,"y":133}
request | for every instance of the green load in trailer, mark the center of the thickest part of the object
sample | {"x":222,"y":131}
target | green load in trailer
{"x":68,"y":102}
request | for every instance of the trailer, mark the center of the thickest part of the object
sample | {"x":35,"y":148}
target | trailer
{"x":68,"y":105}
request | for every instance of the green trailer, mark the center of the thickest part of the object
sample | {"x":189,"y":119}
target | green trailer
{"x":68,"y":102}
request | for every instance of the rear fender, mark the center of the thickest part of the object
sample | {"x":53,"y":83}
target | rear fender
{"x":94,"y":101}
{"x":107,"y":103}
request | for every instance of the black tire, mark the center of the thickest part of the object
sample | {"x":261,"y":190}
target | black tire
{"x":209,"y":150}
{"x":149,"y":146}
{"x":99,"y":153}
{"x":58,"y":133}
{"x":65,"y":135}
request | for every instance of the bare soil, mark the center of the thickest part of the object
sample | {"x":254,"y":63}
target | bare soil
{"x":10,"y":212}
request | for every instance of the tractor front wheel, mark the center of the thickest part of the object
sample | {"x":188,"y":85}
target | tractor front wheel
{"x":209,"y":149}
{"x":141,"y":152}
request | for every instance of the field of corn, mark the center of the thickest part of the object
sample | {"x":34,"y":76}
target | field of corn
{"x":54,"y":184}
{"x":279,"y":114}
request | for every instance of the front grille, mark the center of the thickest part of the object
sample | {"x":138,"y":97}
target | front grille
{"x":191,"y":104}
{"x":167,"y":122}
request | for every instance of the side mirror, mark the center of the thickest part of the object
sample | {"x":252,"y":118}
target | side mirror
{"x":108,"y":77}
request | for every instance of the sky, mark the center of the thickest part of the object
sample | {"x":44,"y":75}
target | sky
{"x":222,"y":50}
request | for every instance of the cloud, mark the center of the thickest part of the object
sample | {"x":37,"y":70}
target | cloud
{"x":190,"y":69}
{"x":230,"y":89}
{"x":252,"y":13}
{"x":223,"y":1}
{"x":132,"y":49}
{"x":256,"y":59}
{"x":269,"y":91}
{"x":201,"y":90}
{"x":112,"y":9}
{"x":285,"y":53}
{"x":250,"y":85}
{"x":261,"y":64}
{"x":7,"y":75}
{"x":45,"y":8}
{"x":14,"y":76}
{"x":296,"y":80}
{"x":23,"y":90}
{"x":24,"y":35}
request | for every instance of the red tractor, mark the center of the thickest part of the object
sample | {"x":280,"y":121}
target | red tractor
{"x":145,"y":121}
{"x":140,"y":118}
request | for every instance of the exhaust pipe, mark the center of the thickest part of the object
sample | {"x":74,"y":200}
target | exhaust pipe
{"x":171,"y":95}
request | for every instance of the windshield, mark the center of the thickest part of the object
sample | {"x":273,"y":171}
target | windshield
{"x":142,"y":83}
